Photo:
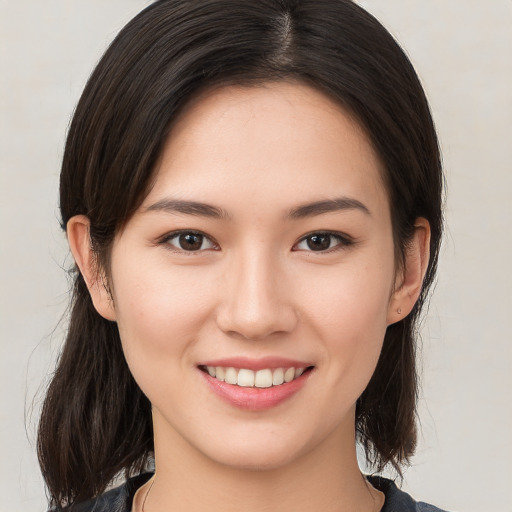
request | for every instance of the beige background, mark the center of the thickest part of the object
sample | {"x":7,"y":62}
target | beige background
{"x":462,"y":50}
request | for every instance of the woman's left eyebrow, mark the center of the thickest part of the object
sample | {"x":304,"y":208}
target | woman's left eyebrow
{"x":327,"y":206}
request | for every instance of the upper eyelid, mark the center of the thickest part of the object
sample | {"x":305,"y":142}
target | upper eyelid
{"x":173,"y":234}
{"x":335,"y":234}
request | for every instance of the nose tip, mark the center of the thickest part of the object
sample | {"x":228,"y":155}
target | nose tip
{"x":250,"y":326}
{"x":256,"y":306}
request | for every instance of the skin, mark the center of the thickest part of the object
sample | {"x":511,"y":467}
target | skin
{"x":255,"y":288}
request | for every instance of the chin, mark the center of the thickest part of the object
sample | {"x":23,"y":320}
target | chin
{"x":261,"y":453}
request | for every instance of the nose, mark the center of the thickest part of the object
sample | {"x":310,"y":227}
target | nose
{"x":256,"y":302}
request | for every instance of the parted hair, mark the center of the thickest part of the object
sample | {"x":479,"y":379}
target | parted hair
{"x":96,"y":422}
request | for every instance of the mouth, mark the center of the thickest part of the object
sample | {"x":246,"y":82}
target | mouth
{"x":255,"y":384}
{"x":247,"y":378}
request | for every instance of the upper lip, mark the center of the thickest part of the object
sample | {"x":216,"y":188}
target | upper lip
{"x":263,"y":363}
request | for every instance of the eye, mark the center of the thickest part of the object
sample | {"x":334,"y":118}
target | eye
{"x":189,"y":241}
{"x":322,"y":242}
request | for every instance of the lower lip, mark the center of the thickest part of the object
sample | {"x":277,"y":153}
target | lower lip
{"x":255,"y":399}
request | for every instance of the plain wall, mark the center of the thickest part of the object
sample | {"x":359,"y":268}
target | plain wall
{"x":462,"y":51}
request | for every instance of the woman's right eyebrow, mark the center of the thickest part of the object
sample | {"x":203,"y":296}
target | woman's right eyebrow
{"x":189,"y":208}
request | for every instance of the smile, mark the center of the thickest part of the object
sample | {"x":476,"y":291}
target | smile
{"x":255,"y":384}
{"x":264,"y":378}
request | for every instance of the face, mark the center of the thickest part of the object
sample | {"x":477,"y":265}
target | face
{"x":263,"y":256}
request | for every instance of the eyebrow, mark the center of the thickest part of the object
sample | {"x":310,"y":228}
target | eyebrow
{"x":327,"y":206}
{"x":300,"y":212}
{"x":189,"y":208}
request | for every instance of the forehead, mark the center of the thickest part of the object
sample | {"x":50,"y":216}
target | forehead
{"x":275,"y":141}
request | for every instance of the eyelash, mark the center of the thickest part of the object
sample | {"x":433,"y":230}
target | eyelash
{"x":343,"y":241}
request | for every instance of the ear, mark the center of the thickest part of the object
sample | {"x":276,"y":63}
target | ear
{"x":80,"y":244}
{"x":410,"y":279}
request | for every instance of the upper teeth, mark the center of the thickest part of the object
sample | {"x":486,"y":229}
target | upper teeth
{"x":259,"y":379}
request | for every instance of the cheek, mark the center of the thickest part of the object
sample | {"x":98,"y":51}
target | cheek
{"x":158,"y":315}
{"x":353,"y":299}
{"x":349,"y":313}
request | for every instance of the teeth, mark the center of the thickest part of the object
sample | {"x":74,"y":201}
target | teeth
{"x":289,"y":374}
{"x":220,"y":373}
{"x":231,"y":376}
{"x":263,"y":379}
{"x":278,"y":377}
{"x":260,"y":379}
{"x":246,"y":378}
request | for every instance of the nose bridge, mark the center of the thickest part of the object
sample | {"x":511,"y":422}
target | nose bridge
{"x":256,"y":303}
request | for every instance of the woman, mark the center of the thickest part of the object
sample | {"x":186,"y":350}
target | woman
{"x":252,"y":195}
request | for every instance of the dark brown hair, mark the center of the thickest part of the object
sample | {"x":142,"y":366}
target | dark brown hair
{"x":96,"y":422}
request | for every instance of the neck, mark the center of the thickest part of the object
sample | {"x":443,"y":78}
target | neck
{"x":327,"y":478}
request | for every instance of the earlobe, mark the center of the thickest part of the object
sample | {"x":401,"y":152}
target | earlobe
{"x":410,"y":280}
{"x":80,"y":244}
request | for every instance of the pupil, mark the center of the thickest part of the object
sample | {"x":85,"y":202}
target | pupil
{"x":319,"y":242}
{"x":191,"y":242}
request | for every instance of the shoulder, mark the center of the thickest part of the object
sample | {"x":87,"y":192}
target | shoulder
{"x":118,"y":499}
{"x":398,"y":500}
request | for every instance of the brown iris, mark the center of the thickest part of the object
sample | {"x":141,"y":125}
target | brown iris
{"x":190,"y":241}
{"x":319,"y":242}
